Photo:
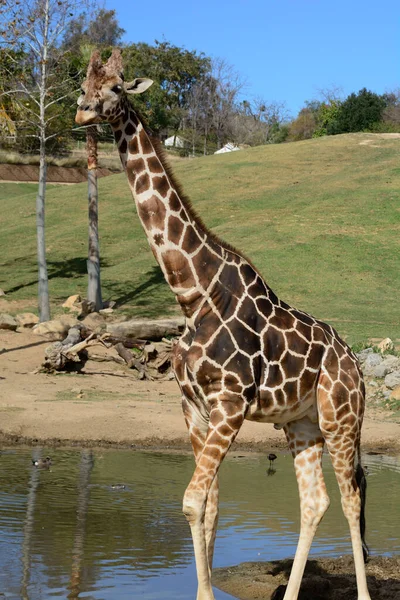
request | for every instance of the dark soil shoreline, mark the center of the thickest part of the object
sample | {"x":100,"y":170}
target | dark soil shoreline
{"x":159,"y":444}
{"x":324,"y":579}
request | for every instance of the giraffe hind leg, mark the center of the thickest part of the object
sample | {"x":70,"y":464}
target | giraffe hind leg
{"x":362,"y":486}
{"x":341,"y":411}
{"x":306,"y":444}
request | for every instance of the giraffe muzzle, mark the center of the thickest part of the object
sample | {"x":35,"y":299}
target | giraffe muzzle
{"x":86,"y":116}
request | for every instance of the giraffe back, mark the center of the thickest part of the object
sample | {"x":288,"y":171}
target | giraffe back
{"x":243,"y":342}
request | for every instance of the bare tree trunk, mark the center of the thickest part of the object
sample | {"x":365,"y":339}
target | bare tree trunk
{"x":43,"y":290}
{"x":93,"y":263}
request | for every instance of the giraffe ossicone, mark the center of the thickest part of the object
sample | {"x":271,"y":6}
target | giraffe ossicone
{"x":244,"y":353}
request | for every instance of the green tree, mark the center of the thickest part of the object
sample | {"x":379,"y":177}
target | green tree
{"x":101,"y":30}
{"x":326,"y":117}
{"x":175,"y":72}
{"x":358,"y":113}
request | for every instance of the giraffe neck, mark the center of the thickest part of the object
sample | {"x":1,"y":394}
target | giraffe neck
{"x":187,"y":253}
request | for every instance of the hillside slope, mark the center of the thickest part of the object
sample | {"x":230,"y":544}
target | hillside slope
{"x":320,"y":219}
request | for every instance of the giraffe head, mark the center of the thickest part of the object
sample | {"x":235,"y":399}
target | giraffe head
{"x":104,"y":90}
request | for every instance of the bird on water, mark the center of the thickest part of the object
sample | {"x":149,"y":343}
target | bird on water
{"x":42,"y":463}
{"x":271,"y":458}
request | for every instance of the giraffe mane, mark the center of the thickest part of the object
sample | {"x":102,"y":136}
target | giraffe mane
{"x":186,"y":200}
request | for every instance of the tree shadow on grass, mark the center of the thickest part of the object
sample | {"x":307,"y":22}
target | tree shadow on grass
{"x":153,"y":286}
{"x":71,"y":268}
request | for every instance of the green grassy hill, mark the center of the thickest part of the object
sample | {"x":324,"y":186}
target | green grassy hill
{"x":320,"y":219}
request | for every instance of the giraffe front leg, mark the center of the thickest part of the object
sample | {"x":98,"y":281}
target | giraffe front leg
{"x":211,"y":520}
{"x":306,"y":444}
{"x":225,"y":420}
{"x":198,"y":427}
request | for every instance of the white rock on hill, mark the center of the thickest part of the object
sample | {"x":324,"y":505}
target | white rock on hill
{"x":392,"y":380}
{"x":388,"y":365}
{"x":371,"y":361}
{"x":385,"y":344}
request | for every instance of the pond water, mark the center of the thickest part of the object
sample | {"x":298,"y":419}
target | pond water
{"x":72,"y":531}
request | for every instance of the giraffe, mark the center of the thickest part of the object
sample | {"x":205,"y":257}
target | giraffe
{"x":244,"y":354}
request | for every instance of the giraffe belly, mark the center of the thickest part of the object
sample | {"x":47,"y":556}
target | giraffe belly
{"x":266,"y":410}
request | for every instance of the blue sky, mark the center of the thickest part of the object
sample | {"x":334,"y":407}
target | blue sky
{"x":286,"y":50}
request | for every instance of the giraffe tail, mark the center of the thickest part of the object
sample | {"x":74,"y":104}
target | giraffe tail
{"x":362,"y":486}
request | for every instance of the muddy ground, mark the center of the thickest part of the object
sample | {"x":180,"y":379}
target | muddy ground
{"x":325,"y":579}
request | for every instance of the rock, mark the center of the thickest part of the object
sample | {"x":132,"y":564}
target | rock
{"x":395,"y":395}
{"x":55,"y":329}
{"x":393,"y":362}
{"x":71,"y":303}
{"x":389,"y":364}
{"x":26,"y":320}
{"x":381,"y":370}
{"x":76,"y":390}
{"x":392,"y":380}
{"x":106,"y":311}
{"x":81,"y":306}
{"x":371,"y":361}
{"x":86,"y":307}
{"x":373,"y":383}
{"x":2,"y":293}
{"x":95,"y":322}
{"x":363,"y":354}
{"x":8,"y":322}
{"x":109,"y":304}
{"x":147,"y":329}
{"x":385,"y":344}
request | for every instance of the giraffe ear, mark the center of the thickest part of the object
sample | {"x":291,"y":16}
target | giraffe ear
{"x":138,"y":86}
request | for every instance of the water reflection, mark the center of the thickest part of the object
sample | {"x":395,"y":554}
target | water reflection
{"x":28,"y":525}
{"x":108,"y":524}
{"x":85,"y":469}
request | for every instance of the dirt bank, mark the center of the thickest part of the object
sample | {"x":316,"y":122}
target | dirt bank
{"x":325,"y":579}
{"x":108,"y":405}
{"x":30,"y":173}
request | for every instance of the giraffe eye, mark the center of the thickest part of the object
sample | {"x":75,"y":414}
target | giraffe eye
{"x":116,"y":89}
{"x":82,"y":91}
